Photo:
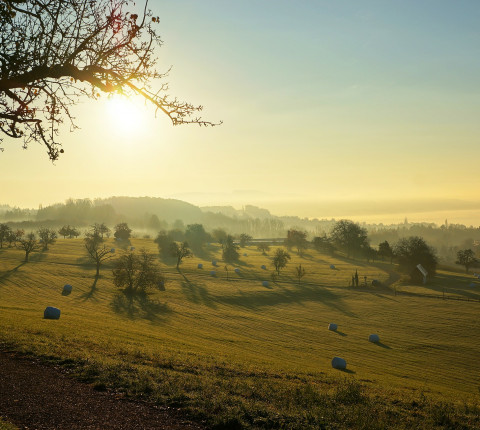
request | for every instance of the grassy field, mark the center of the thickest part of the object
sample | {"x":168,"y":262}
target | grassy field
{"x":234,"y":353}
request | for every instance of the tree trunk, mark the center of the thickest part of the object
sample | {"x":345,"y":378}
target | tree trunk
{"x":26,"y":256}
{"x":98,"y":269}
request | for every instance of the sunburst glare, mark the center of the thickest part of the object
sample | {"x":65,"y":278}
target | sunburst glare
{"x":126,"y":117}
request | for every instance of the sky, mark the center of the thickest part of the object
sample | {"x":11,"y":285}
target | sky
{"x":367,"y":109}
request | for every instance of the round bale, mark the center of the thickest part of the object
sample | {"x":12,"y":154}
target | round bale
{"x":67,"y":289}
{"x":332,"y":326}
{"x":265,"y":283}
{"x":332,"y":266}
{"x":51,"y":313}
{"x":237,"y":270}
{"x":244,"y":254}
{"x":132,"y":248}
{"x":339,"y":363}
{"x":214,"y":263}
{"x":263,"y":267}
{"x":374,"y":338}
{"x":200,"y":266}
{"x":212,"y":273}
{"x":112,"y":250}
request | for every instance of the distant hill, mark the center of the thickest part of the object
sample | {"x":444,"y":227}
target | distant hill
{"x":166,"y":209}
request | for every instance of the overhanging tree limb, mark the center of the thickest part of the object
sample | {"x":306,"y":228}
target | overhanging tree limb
{"x":53,"y":52}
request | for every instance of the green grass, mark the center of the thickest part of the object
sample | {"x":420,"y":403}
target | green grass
{"x":237,"y":353}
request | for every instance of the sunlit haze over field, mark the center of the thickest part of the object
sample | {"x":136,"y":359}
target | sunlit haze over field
{"x":360,"y":109}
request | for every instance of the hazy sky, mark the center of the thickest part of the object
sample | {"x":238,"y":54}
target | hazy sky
{"x":321,"y":101}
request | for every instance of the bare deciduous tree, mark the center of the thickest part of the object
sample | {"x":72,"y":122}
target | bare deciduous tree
{"x":47,"y":237}
{"x":29,"y":244}
{"x":54,"y":52}
{"x":138,"y":273}
{"x":96,"y":250}
{"x":280,"y":259}
{"x":180,"y":251}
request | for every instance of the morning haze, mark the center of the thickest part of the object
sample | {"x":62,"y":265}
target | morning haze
{"x":307,"y":258}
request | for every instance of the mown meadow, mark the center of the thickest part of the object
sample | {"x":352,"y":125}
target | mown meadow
{"x":233,"y":353}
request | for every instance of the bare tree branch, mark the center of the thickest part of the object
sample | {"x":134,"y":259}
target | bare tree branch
{"x":53,"y":52}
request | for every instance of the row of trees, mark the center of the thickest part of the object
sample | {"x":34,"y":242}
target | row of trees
{"x":346,"y":237}
{"x":352,"y":240}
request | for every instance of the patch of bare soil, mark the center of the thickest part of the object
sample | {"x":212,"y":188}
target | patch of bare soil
{"x":37,"y":396}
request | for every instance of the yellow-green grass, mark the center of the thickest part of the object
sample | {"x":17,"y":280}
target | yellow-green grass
{"x":209,"y":342}
{"x":6,"y":425}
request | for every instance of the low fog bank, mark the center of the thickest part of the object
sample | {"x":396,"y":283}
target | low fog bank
{"x":384,"y":212}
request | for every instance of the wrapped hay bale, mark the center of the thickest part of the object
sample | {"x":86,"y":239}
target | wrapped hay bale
{"x":374,"y":338}
{"x":237,"y":270}
{"x":51,"y":313}
{"x":212,"y":273}
{"x":112,"y":250}
{"x":263,"y":267}
{"x":332,"y":326}
{"x":214,"y":263}
{"x":132,"y":248}
{"x":199,"y":266}
{"x":67,"y":289}
{"x":339,"y":363}
{"x":265,"y":283}
{"x":244,"y":254}
{"x":332,"y":266}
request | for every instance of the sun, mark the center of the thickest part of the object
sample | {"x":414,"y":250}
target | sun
{"x":125,"y":116}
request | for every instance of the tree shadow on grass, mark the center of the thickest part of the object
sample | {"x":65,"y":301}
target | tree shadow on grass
{"x":385,"y":296}
{"x":90,"y":294}
{"x":241,"y":263}
{"x":10,"y":272}
{"x":283,"y":295}
{"x":196,"y":293}
{"x":39,"y":256}
{"x":140,"y":306}
{"x":203,"y":253}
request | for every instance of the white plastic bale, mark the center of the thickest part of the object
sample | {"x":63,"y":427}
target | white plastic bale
{"x":51,"y":313}
{"x":332,"y":326}
{"x":339,"y":363}
{"x":374,"y":338}
{"x":212,"y":273}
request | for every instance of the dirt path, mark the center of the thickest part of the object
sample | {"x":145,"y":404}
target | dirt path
{"x":35,"y":396}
